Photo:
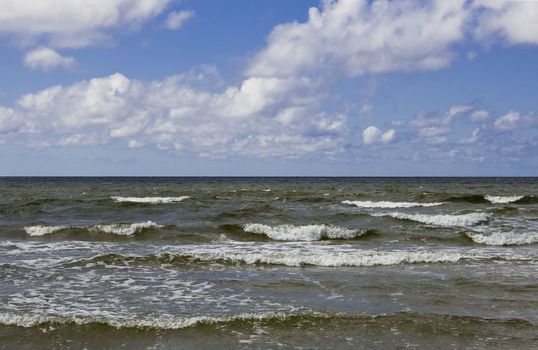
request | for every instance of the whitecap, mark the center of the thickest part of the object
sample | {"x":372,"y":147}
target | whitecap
{"x":301,"y":233}
{"x":150,"y":200}
{"x":389,"y":204}
{"x":504,"y":238}
{"x":116,"y":229}
{"x":441,"y":219}
{"x":41,"y":230}
{"x":120,"y":321}
{"x":125,"y":229}
{"x":295,"y":256}
{"x":503,"y":199}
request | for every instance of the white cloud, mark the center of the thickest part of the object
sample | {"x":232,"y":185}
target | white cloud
{"x":176,"y":20}
{"x":372,"y":135}
{"x":44,"y":58}
{"x":433,"y":131}
{"x":253,"y":119}
{"x":479,"y":116}
{"x":8,"y":121}
{"x":514,"y":21}
{"x":354,"y":37}
{"x":509,"y":121}
{"x":74,"y":23}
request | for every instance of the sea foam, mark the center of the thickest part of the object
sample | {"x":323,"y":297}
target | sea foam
{"x":389,"y":204}
{"x":171,"y":322}
{"x":503,"y":199}
{"x":440,"y":219}
{"x":41,"y":230}
{"x":125,"y":229}
{"x":149,"y":200}
{"x":328,"y":259}
{"x":302,"y":233}
{"x":504,"y":238}
{"x":116,"y":229}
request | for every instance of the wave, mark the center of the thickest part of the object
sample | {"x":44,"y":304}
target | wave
{"x":503,"y":199}
{"x":116,"y":229}
{"x":504,"y":238}
{"x":441,"y":219}
{"x":149,"y":200}
{"x":300,"y":255}
{"x":40,"y":230}
{"x":478,"y":199}
{"x":173,"y":322}
{"x":422,"y":321}
{"x":388,"y":204}
{"x":302,"y":233}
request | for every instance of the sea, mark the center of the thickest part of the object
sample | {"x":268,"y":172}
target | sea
{"x":268,"y":263}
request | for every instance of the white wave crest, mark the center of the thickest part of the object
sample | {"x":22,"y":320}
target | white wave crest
{"x":388,"y":204}
{"x":40,"y":230}
{"x":504,"y":238}
{"x":297,"y":257}
{"x":441,"y":220}
{"x":125,"y":229}
{"x":116,"y":229}
{"x":150,"y":200}
{"x":503,"y":199}
{"x":177,"y":322}
{"x":301,"y":233}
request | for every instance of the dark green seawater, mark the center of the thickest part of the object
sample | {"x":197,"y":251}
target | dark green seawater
{"x":242,"y":263}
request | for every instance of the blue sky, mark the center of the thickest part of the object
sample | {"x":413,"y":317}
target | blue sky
{"x":346,"y":88}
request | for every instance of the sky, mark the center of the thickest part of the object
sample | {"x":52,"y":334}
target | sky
{"x":268,"y":88}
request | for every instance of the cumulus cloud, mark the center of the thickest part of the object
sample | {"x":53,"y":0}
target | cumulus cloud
{"x":74,"y":23}
{"x":275,"y":110}
{"x":356,"y":37}
{"x":508,"y":121}
{"x":176,"y":20}
{"x":515,"y":21}
{"x":250,"y":119}
{"x":454,"y":134}
{"x":44,"y":58}
{"x":513,"y":120}
{"x":372,"y":135}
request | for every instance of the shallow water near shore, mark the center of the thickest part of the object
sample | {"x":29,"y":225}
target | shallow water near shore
{"x":212,"y":263}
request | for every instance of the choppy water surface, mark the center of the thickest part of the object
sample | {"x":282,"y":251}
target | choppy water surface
{"x":163,"y":263}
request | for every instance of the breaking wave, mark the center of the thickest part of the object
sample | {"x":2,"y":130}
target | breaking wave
{"x":288,"y":254}
{"x":504,"y":238}
{"x":503,"y":199}
{"x":116,"y":229}
{"x":478,"y":198}
{"x":440,"y":219}
{"x":388,"y":204}
{"x":149,"y":200}
{"x":172,"y":322}
{"x":302,"y":233}
{"x":40,"y":230}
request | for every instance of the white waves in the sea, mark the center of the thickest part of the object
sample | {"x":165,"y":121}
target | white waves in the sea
{"x":503,"y":199}
{"x":388,"y":204}
{"x":40,"y":230}
{"x":441,"y":219}
{"x":281,"y":253}
{"x":126,"y":229}
{"x":504,"y":238}
{"x":327,"y":258}
{"x":150,"y":200}
{"x":119,"y":321}
{"x":116,"y":229}
{"x":302,"y":233}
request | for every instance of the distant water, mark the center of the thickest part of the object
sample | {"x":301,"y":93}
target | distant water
{"x":214,"y":263}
